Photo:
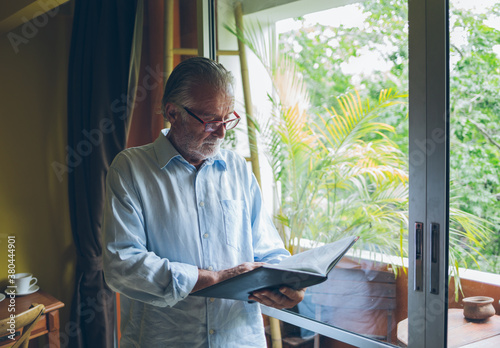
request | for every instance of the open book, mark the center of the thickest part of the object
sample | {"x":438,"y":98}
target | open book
{"x":298,"y":271}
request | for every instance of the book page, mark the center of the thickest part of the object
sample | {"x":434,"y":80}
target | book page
{"x":319,"y":260}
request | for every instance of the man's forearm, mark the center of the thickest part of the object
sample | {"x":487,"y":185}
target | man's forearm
{"x":207,"y":278}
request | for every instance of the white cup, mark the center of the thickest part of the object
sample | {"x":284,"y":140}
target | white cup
{"x":24,"y":282}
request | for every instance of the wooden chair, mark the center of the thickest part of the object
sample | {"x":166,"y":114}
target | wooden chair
{"x":24,"y":321}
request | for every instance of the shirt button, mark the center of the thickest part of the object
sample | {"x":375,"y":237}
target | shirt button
{"x":211,"y":332}
{"x":205,"y":235}
{"x":212,"y":299}
{"x":210,"y":268}
{"x":202,"y":204}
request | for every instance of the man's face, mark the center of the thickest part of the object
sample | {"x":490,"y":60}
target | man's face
{"x":188,"y":134}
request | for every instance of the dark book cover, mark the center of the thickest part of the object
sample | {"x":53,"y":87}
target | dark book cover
{"x":298,"y":271}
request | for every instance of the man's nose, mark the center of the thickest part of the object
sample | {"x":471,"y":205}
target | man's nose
{"x":220,"y":132}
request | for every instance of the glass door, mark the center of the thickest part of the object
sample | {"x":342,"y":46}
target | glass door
{"x":328,"y":86}
{"x":474,"y":176}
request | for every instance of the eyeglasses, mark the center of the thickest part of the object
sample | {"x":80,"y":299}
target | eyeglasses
{"x":212,"y":126}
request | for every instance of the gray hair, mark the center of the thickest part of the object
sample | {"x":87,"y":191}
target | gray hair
{"x":194,"y":72}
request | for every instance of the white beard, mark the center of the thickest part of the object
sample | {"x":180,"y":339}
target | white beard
{"x":209,"y":148}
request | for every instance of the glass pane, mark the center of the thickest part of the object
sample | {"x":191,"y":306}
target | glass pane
{"x":329,"y":94}
{"x":475,"y":178}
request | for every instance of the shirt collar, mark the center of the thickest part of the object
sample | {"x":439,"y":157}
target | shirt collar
{"x":165,"y":152}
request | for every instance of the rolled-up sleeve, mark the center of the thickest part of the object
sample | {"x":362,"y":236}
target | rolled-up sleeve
{"x":129,"y":267}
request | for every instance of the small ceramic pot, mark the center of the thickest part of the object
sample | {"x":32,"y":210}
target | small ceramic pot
{"x":478,"y":307}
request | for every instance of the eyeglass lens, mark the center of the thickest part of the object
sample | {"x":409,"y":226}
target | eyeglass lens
{"x":213,"y":126}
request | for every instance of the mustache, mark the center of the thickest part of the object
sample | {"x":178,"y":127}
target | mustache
{"x":216,"y":142}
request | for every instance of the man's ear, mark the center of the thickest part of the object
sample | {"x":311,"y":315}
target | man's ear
{"x":171,"y":112}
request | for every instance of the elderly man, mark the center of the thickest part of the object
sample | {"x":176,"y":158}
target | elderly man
{"x":182,"y":214}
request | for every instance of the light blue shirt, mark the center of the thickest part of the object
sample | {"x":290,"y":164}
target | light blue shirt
{"x":163,"y":219}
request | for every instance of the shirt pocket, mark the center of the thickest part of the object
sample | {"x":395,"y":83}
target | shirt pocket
{"x":234,"y":213}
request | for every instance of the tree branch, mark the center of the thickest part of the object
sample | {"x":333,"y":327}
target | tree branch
{"x":485,"y":134}
{"x":458,"y":50}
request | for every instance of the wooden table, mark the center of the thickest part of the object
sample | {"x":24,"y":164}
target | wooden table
{"x":462,"y":332}
{"x":48,"y":323}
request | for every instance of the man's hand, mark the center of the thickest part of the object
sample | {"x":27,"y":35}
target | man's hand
{"x":207,"y":278}
{"x":285,"y":298}
{"x":233,"y":272}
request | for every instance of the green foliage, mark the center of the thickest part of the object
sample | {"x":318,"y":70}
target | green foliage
{"x":334,"y":183}
{"x":474,"y":102}
{"x":365,"y":186}
{"x":230,"y":140}
{"x":340,"y":163}
{"x":321,"y":53}
{"x":337,"y":172}
{"x":475,"y":124}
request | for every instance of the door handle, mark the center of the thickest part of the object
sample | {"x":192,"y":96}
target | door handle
{"x":434,"y":258}
{"x":419,"y":249}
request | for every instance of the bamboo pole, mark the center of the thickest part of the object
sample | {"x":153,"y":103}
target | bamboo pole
{"x":169,"y":44}
{"x":254,"y":153}
{"x":194,"y":52}
{"x":228,"y":53}
{"x":169,"y":47}
{"x":186,"y":51}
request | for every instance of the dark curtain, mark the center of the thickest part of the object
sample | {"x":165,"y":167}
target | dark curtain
{"x":147,"y":120}
{"x":97,"y":130}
